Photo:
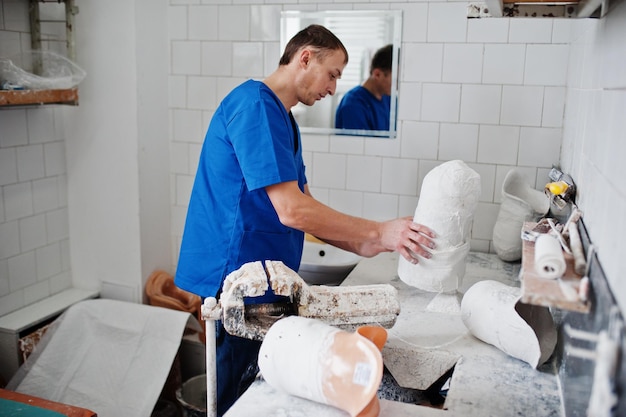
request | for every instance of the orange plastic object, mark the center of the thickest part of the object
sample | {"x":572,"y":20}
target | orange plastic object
{"x":162,"y":292}
{"x":378,"y":336}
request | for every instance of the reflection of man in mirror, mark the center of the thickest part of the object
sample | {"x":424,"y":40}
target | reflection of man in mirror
{"x":367,"y":106}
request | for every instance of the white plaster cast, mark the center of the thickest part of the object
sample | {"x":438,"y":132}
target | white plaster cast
{"x":447,"y":202}
{"x":492,"y":313}
{"x":310,"y":359}
{"x":519,"y":203}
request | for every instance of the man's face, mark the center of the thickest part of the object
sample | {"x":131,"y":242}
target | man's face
{"x":319,"y":76}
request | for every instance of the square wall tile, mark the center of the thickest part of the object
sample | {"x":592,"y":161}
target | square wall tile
{"x":177,"y":22}
{"x":498,"y":144}
{"x":348,"y":202}
{"x":330,"y":171}
{"x":417,"y":14}
{"x":248,"y":59}
{"x":458,"y":141}
{"x":54,"y":156}
{"x":480,"y":103}
{"x":32,"y":232}
{"x":57,"y":225}
{"x":546,"y":65}
{"x":347,"y":144}
{"x":14,"y":131}
{"x":422,"y":62}
{"x":45,"y":194}
{"x":553,"y":107}
{"x":400,"y":176}
{"x":234,"y":23}
{"x":40,"y":125}
{"x":201,"y":93}
{"x":530,"y":30}
{"x":440,"y":102}
{"x":22,"y":271}
{"x":36,"y":292}
{"x":202,"y":22}
{"x":217,"y":58}
{"x":540,"y":147}
{"x":177,"y":87}
{"x":419,"y":140}
{"x":364,"y":173}
{"x":265,"y":22}
{"x":504,"y":64}
{"x":488,"y":30}
{"x":409,"y":101}
{"x":188,"y":126}
{"x":8,"y":165}
{"x":407,"y":206}
{"x":462,"y":63}
{"x":10,"y":242}
{"x":186,"y":57}
{"x":380,"y":207}
{"x":447,"y":22}
{"x":18,"y":201}
{"x":521,"y":105}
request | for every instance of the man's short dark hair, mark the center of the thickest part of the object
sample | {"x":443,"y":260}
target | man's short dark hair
{"x":382,"y":59}
{"x":320,"y":39}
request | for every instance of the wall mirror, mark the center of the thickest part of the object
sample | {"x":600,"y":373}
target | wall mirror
{"x":362,"y":32}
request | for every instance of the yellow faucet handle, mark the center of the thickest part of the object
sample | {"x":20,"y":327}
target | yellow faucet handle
{"x":557,"y":188}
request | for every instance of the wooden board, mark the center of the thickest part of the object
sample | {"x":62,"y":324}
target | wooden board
{"x":27,"y":97}
{"x":560,"y":293}
{"x":35,"y":406}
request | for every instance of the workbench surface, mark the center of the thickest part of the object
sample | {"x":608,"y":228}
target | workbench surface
{"x":486,"y":381}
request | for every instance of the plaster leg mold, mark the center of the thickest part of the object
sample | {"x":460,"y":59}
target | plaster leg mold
{"x":520,"y":203}
{"x":312,"y":360}
{"x":447,"y":202}
{"x":492,"y":313}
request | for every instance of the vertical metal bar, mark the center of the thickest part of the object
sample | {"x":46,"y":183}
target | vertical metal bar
{"x":211,"y":369}
{"x":35,"y":34}
{"x":70,"y":11}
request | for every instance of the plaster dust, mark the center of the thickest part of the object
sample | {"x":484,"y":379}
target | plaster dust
{"x":447,"y":201}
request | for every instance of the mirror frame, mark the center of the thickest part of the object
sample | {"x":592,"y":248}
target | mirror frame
{"x":395,"y":18}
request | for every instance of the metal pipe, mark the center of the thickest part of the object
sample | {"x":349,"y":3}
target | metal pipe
{"x":211,"y":370}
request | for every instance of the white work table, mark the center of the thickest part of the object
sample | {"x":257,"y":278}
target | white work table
{"x":486,"y":381}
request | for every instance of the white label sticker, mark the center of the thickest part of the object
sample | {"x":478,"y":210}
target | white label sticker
{"x":362,"y":374}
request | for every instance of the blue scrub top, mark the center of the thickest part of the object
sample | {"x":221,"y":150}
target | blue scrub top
{"x":252,"y":142}
{"x":360,"y":109}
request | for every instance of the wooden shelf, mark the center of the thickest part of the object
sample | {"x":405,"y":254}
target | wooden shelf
{"x":37,"y":97}
{"x":560,"y":293}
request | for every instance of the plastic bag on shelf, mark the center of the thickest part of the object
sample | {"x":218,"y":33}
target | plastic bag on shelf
{"x":40,"y":70}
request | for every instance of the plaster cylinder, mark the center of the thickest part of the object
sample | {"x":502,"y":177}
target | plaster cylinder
{"x":493,"y":313}
{"x":313,"y":360}
{"x":447,"y":202}
{"x":549,"y":259}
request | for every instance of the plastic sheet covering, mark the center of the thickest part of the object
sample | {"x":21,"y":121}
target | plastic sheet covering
{"x":39,"y":70}
{"x":112,"y":357}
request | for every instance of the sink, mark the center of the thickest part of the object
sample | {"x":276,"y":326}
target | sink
{"x":324,"y":264}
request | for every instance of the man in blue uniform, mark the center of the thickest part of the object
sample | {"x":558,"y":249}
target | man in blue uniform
{"x":366,"y":106}
{"x":250,"y":199}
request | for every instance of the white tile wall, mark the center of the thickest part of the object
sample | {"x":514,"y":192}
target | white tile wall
{"x":34,"y":255}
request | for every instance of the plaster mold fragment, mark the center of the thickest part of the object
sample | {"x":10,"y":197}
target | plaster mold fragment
{"x":447,"y":202}
{"x":493,"y":313}
{"x":310,"y":359}
{"x":519,"y":203}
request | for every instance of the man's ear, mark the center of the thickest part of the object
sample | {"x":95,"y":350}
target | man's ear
{"x":305,"y":58}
